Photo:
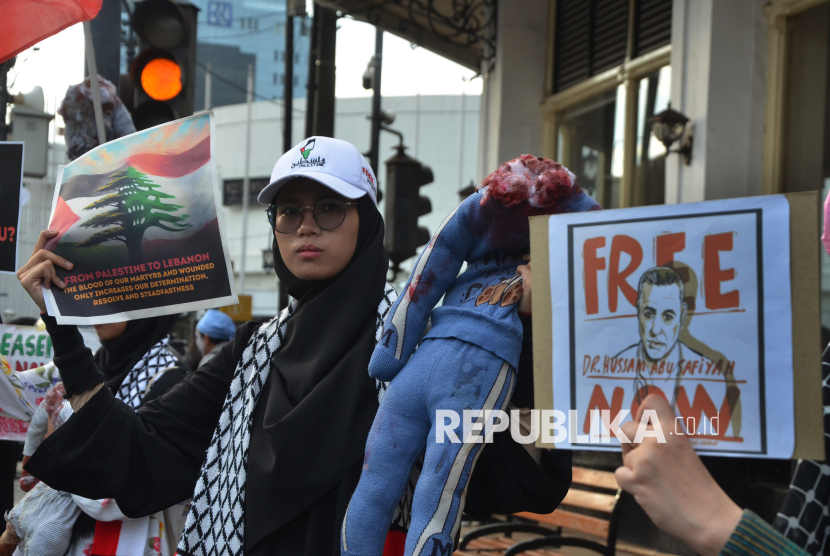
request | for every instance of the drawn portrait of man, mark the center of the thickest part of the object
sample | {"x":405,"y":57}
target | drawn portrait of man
{"x":659,"y":355}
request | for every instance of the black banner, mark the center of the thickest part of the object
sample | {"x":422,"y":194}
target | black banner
{"x":11,"y":179}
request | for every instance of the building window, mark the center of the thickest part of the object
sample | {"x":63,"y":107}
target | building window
{"x":295,"y":80}
{"x":304,"y":27}
{"x":609,"y":73}
{"x":593,"y":35}
{"x":648,"y":181}
{"x":275,"y":79}
{"x":232,"y":190}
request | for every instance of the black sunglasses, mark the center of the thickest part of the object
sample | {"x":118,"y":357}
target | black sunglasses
{"x":328,"y":213}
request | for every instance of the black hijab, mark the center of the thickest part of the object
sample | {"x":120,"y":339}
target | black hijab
{"x":312,"y":419}
{"x":117,"y":357}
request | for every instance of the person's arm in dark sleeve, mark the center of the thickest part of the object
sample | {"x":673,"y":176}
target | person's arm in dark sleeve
{"x":72,"y":358}
{"x":149,"y":459}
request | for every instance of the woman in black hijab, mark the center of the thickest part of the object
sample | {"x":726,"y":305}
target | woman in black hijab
{"x":132,"y":353}
{"x":272,"y":430}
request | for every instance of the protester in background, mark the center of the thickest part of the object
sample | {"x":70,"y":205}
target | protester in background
{"x":10,"y":450}
{"x":42,"y":523}
{"x":137,"y":365}
{"x":78,"y":113}
{"x":214,"y":330}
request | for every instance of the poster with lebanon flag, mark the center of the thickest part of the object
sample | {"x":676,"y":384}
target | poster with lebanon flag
{"x":138,"y":218}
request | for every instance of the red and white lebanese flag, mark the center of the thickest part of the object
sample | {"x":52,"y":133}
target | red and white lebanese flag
{"x":27,"y":22}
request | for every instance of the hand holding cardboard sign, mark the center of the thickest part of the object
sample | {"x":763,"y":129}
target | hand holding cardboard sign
{"x":40,"y":270}
{"x":674,"y":488}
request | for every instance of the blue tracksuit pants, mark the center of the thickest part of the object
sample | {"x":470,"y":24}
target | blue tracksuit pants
{"x":443,"y":374}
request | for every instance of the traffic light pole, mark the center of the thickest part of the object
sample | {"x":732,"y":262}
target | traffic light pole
{"x":246,"y":180}
{"x":93,"y":84}
{"x":376,"y":98}
{"x":106,"y":33}
{"x":324,"y":97}
{"x":311,"y":80}
{"x":288,"y":90}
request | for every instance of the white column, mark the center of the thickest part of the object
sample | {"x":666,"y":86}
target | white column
{"x":510,"y":121}
{"x":718,"y":80}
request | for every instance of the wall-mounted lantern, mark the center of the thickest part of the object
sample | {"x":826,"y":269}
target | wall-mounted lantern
{"x":670,"y":126}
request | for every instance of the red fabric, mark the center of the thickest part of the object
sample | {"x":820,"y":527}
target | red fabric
{"x":105,"y":541}
{"x":62,"y":220}
{"x":395,"y":542}
{"x":173,"y":165}
{"x":27,"y":22}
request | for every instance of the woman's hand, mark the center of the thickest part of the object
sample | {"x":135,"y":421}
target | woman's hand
{"x":40,"y":270}
{"x":674,"y":488}
{"x":525,"y":272}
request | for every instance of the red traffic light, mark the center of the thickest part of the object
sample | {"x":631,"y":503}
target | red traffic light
{"x":164,"y":69}
{"x":161,"y":79}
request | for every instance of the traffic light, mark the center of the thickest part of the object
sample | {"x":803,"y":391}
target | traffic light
{"x":404,"y":177}
{"x":164,"y":69}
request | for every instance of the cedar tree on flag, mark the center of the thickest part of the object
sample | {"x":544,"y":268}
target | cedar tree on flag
{"x":27,"y":22}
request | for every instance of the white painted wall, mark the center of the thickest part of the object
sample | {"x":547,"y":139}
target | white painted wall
{"x":719,"y":56}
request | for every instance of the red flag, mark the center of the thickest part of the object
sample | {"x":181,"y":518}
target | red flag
{"x":27,"y":22}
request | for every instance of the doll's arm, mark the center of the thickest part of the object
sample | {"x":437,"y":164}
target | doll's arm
{"x":435,"y":271}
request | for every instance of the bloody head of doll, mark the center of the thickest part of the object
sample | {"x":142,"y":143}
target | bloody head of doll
{"x":529,"y":184}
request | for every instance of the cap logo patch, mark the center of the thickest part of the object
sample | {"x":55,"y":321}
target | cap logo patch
{"x":369,"y":177}
{"x":306,"y":149}
{"x":305,"y":161}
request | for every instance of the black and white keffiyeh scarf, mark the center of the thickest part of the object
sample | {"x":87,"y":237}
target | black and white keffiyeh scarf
{"x":215,"y":523}
{"x":157,"y":358}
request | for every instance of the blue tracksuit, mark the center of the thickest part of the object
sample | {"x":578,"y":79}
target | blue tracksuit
{"x":466,"y":361}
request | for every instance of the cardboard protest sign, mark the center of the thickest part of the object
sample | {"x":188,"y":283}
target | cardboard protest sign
{"x":25,"y":376}
{"x":692,"y":302}
{"x":139,"y":219}
{"x":11,"y":180}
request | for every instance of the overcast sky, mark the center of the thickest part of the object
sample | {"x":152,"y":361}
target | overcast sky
{"x":58,"y":63}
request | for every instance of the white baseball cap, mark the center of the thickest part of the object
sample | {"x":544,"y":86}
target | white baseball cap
{"x":334,"y":163}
